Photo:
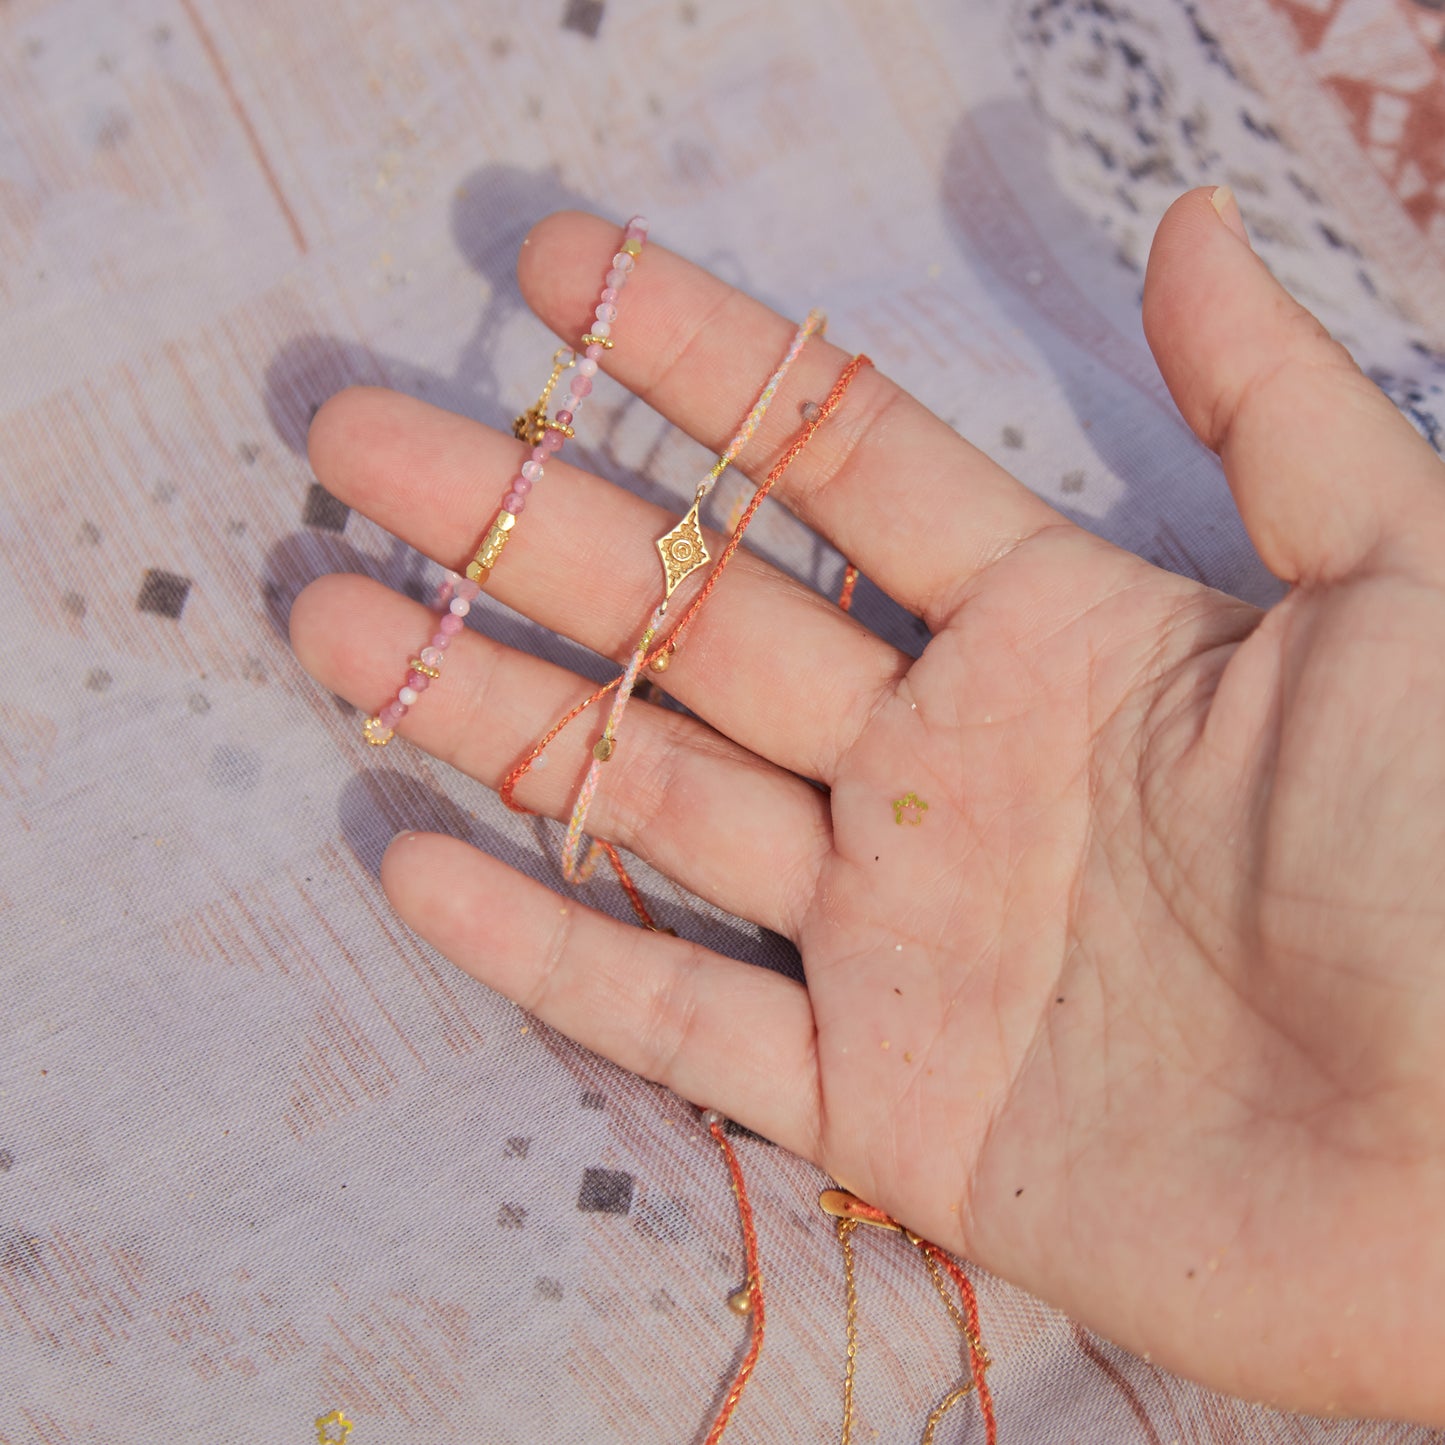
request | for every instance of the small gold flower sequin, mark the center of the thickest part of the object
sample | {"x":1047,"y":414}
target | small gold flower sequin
{"x":373,"y":731}
{"x":682,"y":550}
{"x":324,"y":1435}
{"x":909,"y":808}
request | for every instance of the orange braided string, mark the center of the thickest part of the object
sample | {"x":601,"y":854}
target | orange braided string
{"x":977,"y":1356}
{"x":507,"y":791}
{"x":850,"y":581}
{"x":755,"y":1287}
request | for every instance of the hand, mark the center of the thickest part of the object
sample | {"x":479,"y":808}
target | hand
{"x":1147,"y":1014}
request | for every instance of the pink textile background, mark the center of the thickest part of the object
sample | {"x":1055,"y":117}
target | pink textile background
{"x":263,"y":1154}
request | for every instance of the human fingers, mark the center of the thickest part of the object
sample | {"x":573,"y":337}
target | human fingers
{"x":767,"y":662}
{"x":1326,"y":472}
{"x":722,"y":1034}
{"x":732,"y":829}
{"x":889,"y":484}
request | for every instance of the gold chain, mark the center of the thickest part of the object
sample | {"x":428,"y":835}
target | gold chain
{"x":845,"y":1238}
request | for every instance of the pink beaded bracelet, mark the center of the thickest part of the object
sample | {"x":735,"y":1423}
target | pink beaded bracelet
{"x":545,"y":436}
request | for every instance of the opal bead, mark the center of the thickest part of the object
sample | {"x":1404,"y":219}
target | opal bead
{"x":606,"y":312}
{"x":459,"y":608}
{"x":407,"y":696}
{"x":602,"y":328}
{"x":587,"y":367}
{"x":623,"y":262}
{"x":432,"y":656}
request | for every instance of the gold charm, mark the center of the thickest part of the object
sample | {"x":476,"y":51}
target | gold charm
{"x":682,"y":550}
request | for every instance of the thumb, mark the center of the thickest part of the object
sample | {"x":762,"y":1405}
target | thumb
{"x":1329,"y":478}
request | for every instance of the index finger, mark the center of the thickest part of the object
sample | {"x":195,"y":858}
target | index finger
{"x":895,"y":489}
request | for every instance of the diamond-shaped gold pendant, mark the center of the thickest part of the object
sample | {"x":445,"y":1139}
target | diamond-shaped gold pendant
{"x":682,"y":550}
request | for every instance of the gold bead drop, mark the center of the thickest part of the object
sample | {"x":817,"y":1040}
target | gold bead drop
{"x":603,"y":750}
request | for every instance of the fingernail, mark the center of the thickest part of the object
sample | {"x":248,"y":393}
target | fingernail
{"x":1227,"y":209}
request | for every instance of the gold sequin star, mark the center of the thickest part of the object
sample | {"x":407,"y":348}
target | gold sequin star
{"x":911,"y":806}
{"x":323,"y":1429}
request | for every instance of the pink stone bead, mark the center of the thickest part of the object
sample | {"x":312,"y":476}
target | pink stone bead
{"x":520,"y":487}
{"x":587,"y":367}
{"x":615,"y":279}
{"x":530,"y":471}
{"x":602,"y":328}
{"x":460,"y":608}
{"x":581,"y":385}
{"x":622,"y":262}
{"x":418,"y":681}
{"x":609,"y":293}
{"x":594,"y":351}
{"x":553,"y":441}
{"x":565,"y":417}
{"x":606,"y":312}
{"x":440,"y":640}
{"x":638,"y":224}
{"x":538,"y":454}
{"x":451,"y":624}
{"x":444,"y":594}
{"x":392,"y":714}
{"x":432,"y":656}
{"x":467,"y":589}
{"x":514,"y":502}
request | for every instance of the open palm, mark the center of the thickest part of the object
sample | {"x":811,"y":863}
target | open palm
{"x":1145,"y":1012}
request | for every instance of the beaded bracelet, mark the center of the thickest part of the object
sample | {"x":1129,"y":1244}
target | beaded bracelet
{"x":545,"y":436}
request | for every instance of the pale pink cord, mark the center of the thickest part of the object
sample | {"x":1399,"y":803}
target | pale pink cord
{"x":572,"y":870}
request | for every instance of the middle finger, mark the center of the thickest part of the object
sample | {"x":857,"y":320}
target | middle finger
{"x":768,"y":662}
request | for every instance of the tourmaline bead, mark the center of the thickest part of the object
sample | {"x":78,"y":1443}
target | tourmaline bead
{"x":451,"y":624}
{"x":392,"y":714}
{"x":565,"y":416}
{"x":520,"y":487}
{"x":440,"y":640}
{"x":467,"y":589}
{"x":594,"y":351}
{"x":581,"y":385}
{"x":539,"y":453}
{"x":553,"y":441}
{"x":514,"y":503}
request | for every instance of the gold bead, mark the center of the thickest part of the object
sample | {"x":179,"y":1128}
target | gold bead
{"x":605,"y":342}
{"x":740,"y":1301}
{"x":603,"y":749}
{"x":633,"y":247}
{"x":477,"y":573}
{"x":662,"y":661}
{"x":417,"y":665}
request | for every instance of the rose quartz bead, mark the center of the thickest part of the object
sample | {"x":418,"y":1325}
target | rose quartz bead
{"x":587,"y":367}
{"x":531,"y":471}
{"x":440,"y":640}
{"x":432,"y":656}
{"x":460,"y":608}
{"x":565,"y":417}
{"x":594,"y":351}
{"x":615,"y":279}
{"x":520,"y":487}
{"x":553,"y":441}
{"x":538,"y":455}
{"x":467,"y":589}
{"x":606,"y":312}
{"x":609,"y":293}
{"x":392,"y":714}
{"x":513,"y":502}
{"x":418,"y":681}
{"x":451,"y":624}
{"x":581,"y":385}
{"x":622,"y":262}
